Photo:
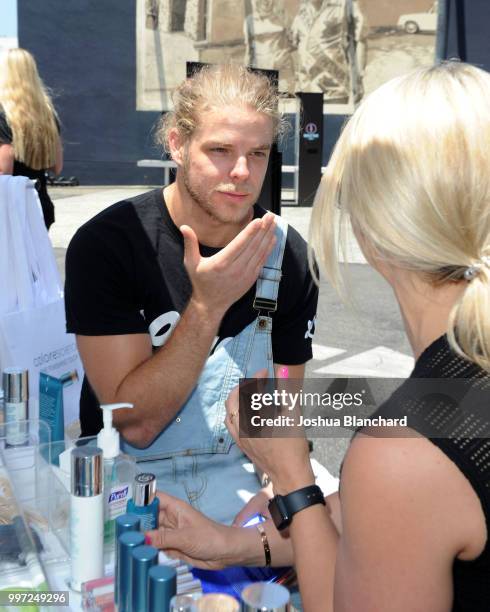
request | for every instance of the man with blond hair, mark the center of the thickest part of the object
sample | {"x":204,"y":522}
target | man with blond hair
{"x":178,"y":293}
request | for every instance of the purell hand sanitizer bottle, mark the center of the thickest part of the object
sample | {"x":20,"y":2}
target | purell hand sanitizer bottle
{"x":119,"y":473}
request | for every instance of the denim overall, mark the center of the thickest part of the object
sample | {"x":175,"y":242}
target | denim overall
{"x":194,"y":457}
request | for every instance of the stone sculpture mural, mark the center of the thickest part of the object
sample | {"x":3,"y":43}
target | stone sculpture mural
{"x":343,"y":48}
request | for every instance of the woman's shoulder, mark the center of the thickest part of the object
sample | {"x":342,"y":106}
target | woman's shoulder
{"x":407,"y":513}
{"x":412,"y":488}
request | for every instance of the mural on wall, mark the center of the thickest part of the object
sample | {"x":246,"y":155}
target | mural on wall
{"x":343,"y":48}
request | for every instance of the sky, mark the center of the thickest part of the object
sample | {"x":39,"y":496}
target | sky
{"x":8,"y":18}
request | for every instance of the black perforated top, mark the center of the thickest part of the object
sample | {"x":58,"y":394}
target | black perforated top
{"x":447,"y":399}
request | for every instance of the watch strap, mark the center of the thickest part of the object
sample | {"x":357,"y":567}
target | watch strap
{"x":283,"y":507}
{"x":303,"y":498}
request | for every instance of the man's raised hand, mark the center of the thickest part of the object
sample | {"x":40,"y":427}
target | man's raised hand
{"x":220,"y":280}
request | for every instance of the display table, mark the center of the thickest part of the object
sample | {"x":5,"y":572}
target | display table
{"x":35,"y":507}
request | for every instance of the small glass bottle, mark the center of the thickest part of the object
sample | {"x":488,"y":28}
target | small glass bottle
{"x":16,"y":405}
{"x":145,"y":503}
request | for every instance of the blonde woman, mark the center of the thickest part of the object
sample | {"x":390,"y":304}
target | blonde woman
{"x":30,"y":140}
{"x":410,"y":173}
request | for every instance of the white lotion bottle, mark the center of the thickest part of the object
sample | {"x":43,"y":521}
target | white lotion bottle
{"x":86,"y":516}
{"x":119,"y":473}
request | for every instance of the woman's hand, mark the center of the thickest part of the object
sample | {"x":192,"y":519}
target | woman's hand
{"x":286,"y":460}
{"x":185,"y":533}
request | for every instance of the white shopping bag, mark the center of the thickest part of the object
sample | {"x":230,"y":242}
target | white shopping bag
{"x":32,"y":315}
{"x":28,"y":272}
{"x":36,"y":340}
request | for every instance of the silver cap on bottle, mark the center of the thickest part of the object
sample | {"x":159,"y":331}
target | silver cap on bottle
{"x":145,"y":487}
{"x":86,"y":471}
{"x":15,"y":385}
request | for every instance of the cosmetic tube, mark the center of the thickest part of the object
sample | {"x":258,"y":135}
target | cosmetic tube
{"x":145,"y":503}
{"x":16,"y":396}
{"x":162,"y":587}
{"x":265,"y":596}
{"x":142,"y":559}
{"x":86,"y":515}
{"x":127,"y":522}
{"x":122,"y":592}
{"x":124,"y":523}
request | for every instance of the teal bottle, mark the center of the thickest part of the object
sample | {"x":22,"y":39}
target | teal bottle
{"x":145,"y":503}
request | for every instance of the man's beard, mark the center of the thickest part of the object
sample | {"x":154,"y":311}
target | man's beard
{"x":203,"y":199}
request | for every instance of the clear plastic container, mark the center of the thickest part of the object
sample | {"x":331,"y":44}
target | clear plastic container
{"x":20,"y":547}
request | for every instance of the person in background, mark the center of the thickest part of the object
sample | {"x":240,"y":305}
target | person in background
{"x":30,"y":142}
{"x":410,"y":532}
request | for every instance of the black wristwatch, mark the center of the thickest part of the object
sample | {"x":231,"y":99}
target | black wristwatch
{"x":284,"y":507}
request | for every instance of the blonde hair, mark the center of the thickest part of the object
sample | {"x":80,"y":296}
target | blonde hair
{"x":410,"y":170}
{"x":214,"y":87}
{"x":28,"y":110}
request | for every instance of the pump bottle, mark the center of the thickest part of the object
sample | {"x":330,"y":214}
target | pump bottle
{"x":119,"y":473}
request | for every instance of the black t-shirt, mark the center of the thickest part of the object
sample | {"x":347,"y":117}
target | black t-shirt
{"x":125,"y":275}
{"x":5,"y":131}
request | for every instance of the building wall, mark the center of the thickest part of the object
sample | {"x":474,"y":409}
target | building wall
{"x":86,"y":53}
{"x":221,"y":28}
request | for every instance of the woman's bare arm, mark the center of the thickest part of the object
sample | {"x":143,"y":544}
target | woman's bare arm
{"x":6,"y":159}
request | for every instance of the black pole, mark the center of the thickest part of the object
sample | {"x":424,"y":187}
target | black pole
{"x":441,"y":39}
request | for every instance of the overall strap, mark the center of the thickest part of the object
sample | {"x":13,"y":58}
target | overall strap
{"x":270,"y":276}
